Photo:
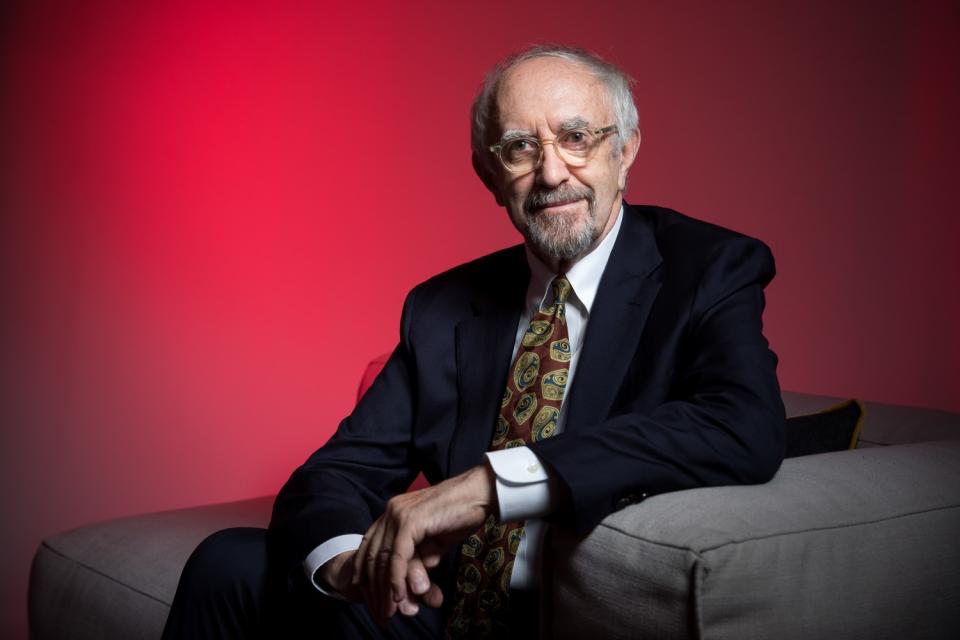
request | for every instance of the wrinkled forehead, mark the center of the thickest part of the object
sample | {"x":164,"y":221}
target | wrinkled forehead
{"x":545,"y":94}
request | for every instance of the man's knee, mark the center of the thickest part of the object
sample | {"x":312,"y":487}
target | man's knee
{"x":231,"y":561}
{"x":223,"y":589}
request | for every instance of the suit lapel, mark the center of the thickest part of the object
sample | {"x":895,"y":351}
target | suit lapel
{"x":484,"y":345}
{"x":626,"y":294}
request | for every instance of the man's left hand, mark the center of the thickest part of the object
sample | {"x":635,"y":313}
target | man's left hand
{"x":411,"y":537}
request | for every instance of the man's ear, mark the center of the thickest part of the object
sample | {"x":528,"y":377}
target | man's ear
{"x":486,"y":177}
{"x":628,"y":153}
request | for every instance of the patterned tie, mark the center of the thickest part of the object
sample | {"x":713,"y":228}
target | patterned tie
{"x":529,"y":411}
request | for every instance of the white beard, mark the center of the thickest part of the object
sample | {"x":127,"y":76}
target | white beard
{"x":564,"y":235}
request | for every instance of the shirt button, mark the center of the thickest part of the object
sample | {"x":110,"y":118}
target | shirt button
{"x":533,"y":467}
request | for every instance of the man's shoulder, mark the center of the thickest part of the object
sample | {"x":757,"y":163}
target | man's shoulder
{"x":680,"y":237}
{"x":677,"y":231}
{"x":486,"y":275}
{"x":690,"y":248}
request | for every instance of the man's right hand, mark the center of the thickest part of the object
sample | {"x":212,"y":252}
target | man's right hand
{"x":336,"y":574}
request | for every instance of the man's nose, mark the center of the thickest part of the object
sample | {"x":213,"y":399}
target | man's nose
{"x":553,"y":171}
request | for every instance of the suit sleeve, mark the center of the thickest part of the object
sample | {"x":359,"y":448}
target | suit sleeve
{"x":344,"y":486}
{"x":723,"y":423}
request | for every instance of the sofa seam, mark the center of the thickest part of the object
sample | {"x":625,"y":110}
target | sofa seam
{"x":100,"y":573}
{"x":830,"y":528}
{"x":700,"y":569}
{"x":703,"y":550}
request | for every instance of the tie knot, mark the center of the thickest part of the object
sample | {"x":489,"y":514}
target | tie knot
{"x":561,"y":289}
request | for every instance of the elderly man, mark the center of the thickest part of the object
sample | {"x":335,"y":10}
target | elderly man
{"x":616,"y":354}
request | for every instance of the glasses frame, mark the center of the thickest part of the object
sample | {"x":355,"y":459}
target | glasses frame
{"x":601,"y":133}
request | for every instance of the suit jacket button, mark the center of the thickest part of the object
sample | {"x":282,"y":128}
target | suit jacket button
{"x":623,"y":503}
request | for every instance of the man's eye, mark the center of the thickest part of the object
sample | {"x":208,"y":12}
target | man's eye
{"x":520,"y":146}
{"x":576,"y":142}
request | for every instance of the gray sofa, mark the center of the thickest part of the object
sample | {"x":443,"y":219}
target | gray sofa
{"x":854,"y":544}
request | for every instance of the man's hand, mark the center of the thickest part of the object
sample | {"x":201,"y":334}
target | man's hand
{"x":412,"y":535}
{"x":337,"y":574}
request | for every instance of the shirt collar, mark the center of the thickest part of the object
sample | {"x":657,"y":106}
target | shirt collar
{"x":584,"y":276}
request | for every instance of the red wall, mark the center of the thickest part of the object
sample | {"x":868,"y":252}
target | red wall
{"x":211,"y":214}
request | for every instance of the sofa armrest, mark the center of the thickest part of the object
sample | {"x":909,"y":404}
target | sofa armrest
{"x":854,"y":544}
{"x":116,"y":579}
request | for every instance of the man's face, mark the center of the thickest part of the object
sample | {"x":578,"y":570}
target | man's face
{"x":562,"y":211}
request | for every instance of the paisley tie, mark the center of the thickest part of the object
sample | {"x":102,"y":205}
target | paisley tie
{"x":529,"y":411}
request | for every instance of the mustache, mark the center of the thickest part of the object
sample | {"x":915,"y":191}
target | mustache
{"x":540,"y":199}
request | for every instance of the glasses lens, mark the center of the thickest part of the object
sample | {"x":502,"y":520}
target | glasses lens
{"x":521,"y":154}
{"x":577,"y":145}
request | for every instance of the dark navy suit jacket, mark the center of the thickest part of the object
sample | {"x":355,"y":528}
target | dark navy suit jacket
{"x":675,"y":388}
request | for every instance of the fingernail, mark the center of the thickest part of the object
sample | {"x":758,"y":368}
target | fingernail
{"x":420,"y":584}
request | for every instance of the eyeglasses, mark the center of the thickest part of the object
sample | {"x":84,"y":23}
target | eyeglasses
{"x":575,"y":147}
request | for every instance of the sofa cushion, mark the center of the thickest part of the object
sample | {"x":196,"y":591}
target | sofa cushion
{"x":884,"y":424}
{"x":833,"y":429}
{"x":853,"y":544}
{"x":116,"y":579}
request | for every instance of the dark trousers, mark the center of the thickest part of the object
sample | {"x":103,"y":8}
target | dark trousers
{"x":228,"y":590}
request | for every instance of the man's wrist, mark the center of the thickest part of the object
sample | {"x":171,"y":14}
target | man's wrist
{"x":492,"y":505}
{"x":523,"y":485}
{"x":323,"y":555}
{"x":334,"y":575}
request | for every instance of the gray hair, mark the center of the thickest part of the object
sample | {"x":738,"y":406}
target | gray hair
{"x":616,"y":81}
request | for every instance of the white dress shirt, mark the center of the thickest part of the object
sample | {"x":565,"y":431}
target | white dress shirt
{"x":523,"y":490}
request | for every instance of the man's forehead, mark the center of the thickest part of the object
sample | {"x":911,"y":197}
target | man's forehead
{"x":562,"y":93}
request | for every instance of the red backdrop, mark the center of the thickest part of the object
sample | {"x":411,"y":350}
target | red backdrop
{"x":211,"y":214}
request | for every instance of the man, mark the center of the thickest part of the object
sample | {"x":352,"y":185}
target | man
{"x":628,"y":340}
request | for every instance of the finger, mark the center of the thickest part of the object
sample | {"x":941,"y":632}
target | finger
{"x":372,"y":598}
{"x":369,"y":559}
{"x":408,"y":608}
{"x":383,"y":596}
{"x":387,"y":608}
{"x":343,"y":579}
{"x":409,"y":605}
{"x":361,"y":553}
{"x":431,"y":553}
{"x":373,"y":557}
{"x":368,"y":600}
{"x":418,"y":581}
{"x":358,"y":580}
{"x":361,"y":576}
{"x":404,"y":549}
{"x":433,"y":597}
{"x":385,"y":553}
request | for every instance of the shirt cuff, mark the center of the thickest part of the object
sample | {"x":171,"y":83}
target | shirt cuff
{"x":323,"y":553}
{"x":523,"y":487}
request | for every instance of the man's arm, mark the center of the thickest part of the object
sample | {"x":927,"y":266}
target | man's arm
{"x":515,"y":485}
{"x":725,"y":425}
{"x":411,"y":537}
{"x":323,"y":555}
{"x":342,"y":486}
